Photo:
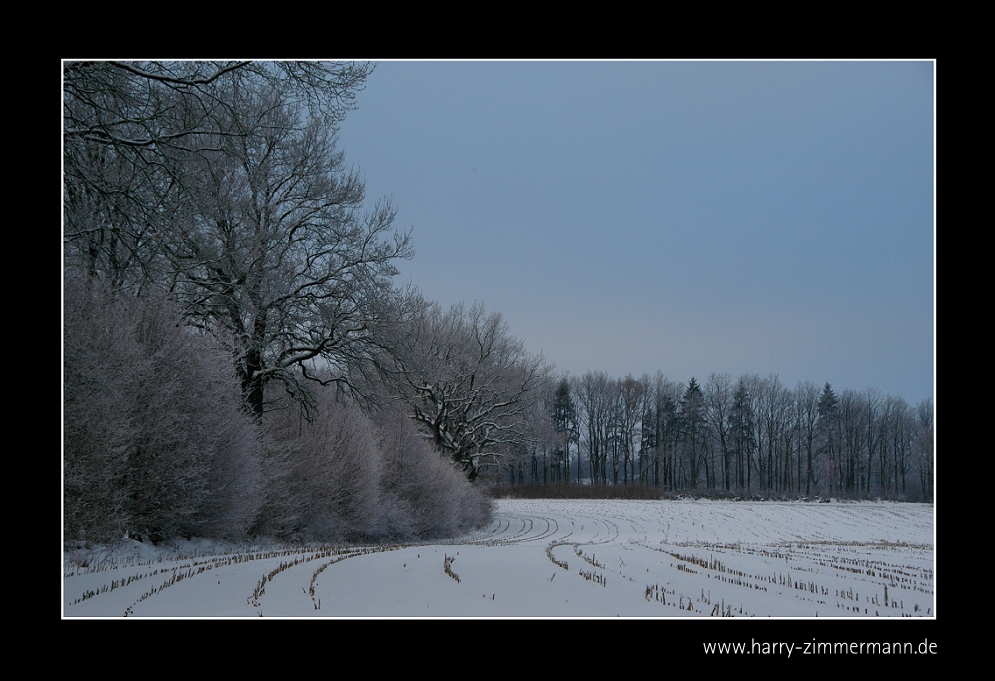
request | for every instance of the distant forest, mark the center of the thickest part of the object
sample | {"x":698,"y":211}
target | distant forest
{"x":238,"y":359}
{"x":750,"y":436}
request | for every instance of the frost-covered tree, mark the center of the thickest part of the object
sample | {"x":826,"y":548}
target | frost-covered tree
{"x":221,"y":183}
{"x":468,"y":383}
{"x":127,"y":127}
{"x":277,"y":253}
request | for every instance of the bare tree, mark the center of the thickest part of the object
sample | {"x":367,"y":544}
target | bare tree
{"x":469,"y":384}
{"x":220,"y":181}
{"x":852,"y":423}
{"x":631,"y":394}
{"x":897,"y":427}
{"x":595,"y":394}
{"x":923,"y":448}
{"x":744,"y":430}
{"x":276,"y":252}
{"x":718,"y":394}
{"x":807,"y":417}
{"x":772,"y":414}
{"x":872,"y":404}
{"x":127,"y":125}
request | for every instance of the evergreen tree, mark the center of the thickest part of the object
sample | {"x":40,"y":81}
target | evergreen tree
{"x":565,"y":420}
{"x":742,"y":433}
{"x":694,"y":430}
{"x":827,"y":428}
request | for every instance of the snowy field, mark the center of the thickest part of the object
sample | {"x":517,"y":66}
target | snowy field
{"x":542,"y":558}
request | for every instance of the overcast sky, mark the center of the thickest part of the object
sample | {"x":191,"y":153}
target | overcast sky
{"x":686,"y":217}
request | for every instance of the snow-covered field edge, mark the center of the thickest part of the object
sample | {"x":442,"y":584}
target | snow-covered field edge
{"x":547,"y":558}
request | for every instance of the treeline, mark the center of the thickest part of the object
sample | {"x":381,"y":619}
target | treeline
{"x":749,"y":436}
{"x":157,"y":444}
{"x":237,"y":358}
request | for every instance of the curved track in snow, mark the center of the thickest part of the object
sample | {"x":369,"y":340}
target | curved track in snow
{"x":555,"y":558}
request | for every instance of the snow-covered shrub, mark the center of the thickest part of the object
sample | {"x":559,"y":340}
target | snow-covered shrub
{"x":437,"y":499}
{"x":326,"y":474}
{"x":155,"y":441}
{"x":99,"y":365}
{"x":339,"y":476}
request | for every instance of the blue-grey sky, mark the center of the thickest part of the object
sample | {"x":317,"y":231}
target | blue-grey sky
{"x":687,"y":217}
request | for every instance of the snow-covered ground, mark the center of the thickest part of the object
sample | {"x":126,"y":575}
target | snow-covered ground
{"x":544,"y":558}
